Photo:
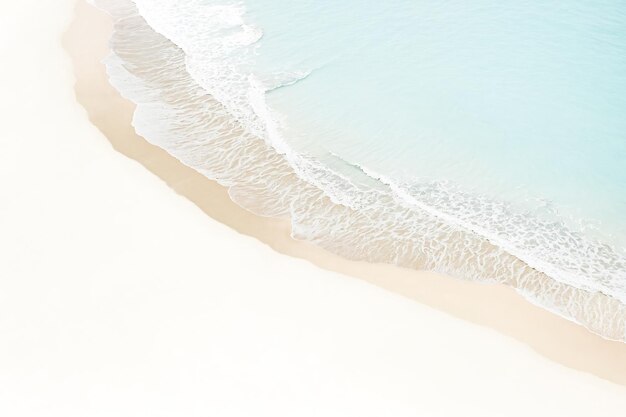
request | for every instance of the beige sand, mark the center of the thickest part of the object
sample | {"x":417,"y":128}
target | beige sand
{"x":494,"y":306}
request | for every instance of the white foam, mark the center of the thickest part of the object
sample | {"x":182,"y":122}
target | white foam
{"x":511,"y":231}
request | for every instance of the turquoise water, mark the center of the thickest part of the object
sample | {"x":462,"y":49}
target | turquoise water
{"x":483,"y":139}
{"x":518,"y":100}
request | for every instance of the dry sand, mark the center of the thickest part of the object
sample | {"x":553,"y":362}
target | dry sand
{"x":494,"y":306}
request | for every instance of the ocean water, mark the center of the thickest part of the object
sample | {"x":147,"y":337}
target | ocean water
{"x":483,"y":139}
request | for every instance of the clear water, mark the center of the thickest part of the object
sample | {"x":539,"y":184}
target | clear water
{"x":495,"y":120}
{"x":514,"y":99}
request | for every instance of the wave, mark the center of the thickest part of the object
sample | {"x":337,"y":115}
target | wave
{"x":182,"y":66}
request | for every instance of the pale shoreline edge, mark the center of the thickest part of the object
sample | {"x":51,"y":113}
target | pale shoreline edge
{"x":493,"y":306}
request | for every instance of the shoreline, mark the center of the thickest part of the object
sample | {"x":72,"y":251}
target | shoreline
{"x":493,"y":306}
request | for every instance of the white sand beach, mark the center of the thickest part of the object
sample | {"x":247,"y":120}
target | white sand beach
{"x":121,"y":294}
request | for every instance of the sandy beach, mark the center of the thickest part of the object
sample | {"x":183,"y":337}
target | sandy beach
{"x":132,"y":285}
{"x":494,"y":306}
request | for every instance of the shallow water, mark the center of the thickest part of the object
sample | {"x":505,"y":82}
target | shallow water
{"x":483,"y":141}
